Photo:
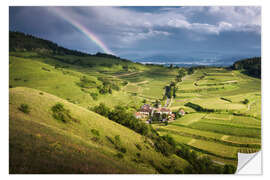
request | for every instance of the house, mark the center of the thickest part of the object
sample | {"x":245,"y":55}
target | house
{"x":146,"y":106}
{"x":182,"y":112}
{"x":171,"y":116}
{"x":138,"y":115}
{"x":146,"y":110}
{"x":165,"y":111}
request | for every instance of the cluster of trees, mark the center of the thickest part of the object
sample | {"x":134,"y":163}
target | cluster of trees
{"x":170,"y":91}
{"x":181,"y":74}
{"x":157,"y":117}
{"x":62,"y":114}
{"x":251,"y":66}
{"x":120,"y":115}
{"x":107,"y":86}
{"x":164,"y":144}
{"x":202,"y":165}
{"x":19,"y":41}
{"x":85,"y":82}
{"x":198,"y":107}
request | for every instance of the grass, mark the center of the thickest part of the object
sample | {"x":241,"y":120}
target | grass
{"x":222,"y":134}
{"x":51,"y":146}
{"x":40,"y":144}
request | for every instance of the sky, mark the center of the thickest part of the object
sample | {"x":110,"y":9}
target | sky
{"x":147,"y":33}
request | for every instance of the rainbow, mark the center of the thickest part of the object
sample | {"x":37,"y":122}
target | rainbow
{"x":90,"y":35}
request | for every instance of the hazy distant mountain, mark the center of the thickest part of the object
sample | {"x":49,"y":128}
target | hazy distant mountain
{"x":193,"y":59}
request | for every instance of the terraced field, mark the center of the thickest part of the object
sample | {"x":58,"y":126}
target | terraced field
{"x":232,"y":126}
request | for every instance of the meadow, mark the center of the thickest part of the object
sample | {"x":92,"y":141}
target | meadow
{"x":54,"y":129}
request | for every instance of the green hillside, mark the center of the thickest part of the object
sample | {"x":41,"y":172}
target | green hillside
{"x":39,"y":143}
{"x":222,"y":105}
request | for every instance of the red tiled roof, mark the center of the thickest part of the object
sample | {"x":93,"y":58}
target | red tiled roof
{"x":165,"y":110}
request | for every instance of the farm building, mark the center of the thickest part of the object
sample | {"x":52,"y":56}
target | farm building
{"x":181,"y":112}
{"x":147,"y":111}
{"x":138,"y":115}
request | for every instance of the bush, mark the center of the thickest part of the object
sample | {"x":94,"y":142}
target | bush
{"x":120,"y":115}
{"x":85,"y":82}
{"x":117,"y":139}
{"x":95,"y":132}
{"x":45,"y":69}
{"x":62,"y":114}
{"x":119,"y":155}
{"x":94,"y":96}
{"x":24,"y":108}
{"x":138,"y":146}
{"x":199,"y":108}
{"x":246,"y":101}
{"x":225,"y":99}
{"x":123,"y":150}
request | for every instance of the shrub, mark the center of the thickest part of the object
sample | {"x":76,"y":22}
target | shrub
{"x":95,"y":132}
{"x":62,"y":114}
{"x":94,"y":96}
{"x":138,"y":146}
{"x":95,"y":139}
{"x":117,"y":139}
{"x":123,"y":150}
{"x":45,"y":69}
{"x":119,"y":155}
{"x":229,"y":169}
{"x":24,"y":108}
{"x":17,"y":79}
{"x":85,"y":82}
{"x":199,"y":108}
{"x":109,"y":139}
{"x":246,"y":101}
{"x":225,"y":99}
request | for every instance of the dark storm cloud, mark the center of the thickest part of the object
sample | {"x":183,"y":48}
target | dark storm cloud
{"x":143,"y":31}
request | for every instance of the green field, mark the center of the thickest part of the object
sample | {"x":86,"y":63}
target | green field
{"x":227,"y":121}
{"x":233,"y":127}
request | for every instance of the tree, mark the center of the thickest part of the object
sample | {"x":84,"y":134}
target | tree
{"x":157,"y":103}
{"x":102,"y":110}
{"x":181,"y":74}
{"x":190,"y":70}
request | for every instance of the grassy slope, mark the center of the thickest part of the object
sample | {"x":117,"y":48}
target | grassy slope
{"x":41,"y":144}
{"x":29,"y":72}
{"x":148,"y":82}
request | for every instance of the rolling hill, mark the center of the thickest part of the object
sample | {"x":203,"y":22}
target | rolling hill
{"x":39,"y":143}
{"x":53,"y":128}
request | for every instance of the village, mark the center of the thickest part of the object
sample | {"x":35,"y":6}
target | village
{"x":157,"y":114}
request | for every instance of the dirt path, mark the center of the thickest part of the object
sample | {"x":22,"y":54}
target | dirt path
{"x":250,"y":105}
{"x":218,"y":162}
{"x":192,"y":141}
{"x":142,"y":82}
{"x":127,"y":74}
{"x":225,"y":137}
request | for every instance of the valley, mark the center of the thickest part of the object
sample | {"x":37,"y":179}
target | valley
{"x":222,"y":116}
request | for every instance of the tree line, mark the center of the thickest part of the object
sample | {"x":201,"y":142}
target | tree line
{"x":250,"y":66}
